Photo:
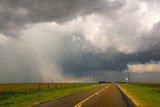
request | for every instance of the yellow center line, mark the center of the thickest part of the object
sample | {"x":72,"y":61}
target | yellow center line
{"x":80,"y":104}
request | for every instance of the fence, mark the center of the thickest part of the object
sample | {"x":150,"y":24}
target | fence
{"x":26,"y":86}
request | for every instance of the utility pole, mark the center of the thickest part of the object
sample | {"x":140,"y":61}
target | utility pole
{"x":129,"y":78}
{"x":94,"y":76}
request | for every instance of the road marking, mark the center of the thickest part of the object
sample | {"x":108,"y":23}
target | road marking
{"x":80,"y":104}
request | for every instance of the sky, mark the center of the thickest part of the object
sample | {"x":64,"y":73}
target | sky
{"x":73,"y":40}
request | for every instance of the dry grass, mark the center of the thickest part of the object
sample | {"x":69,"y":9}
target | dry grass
{"x":26,"y":86}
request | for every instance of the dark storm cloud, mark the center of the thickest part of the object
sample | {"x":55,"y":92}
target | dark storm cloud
{"x":60,"y":39}
{"x":83,"y":62}
{"x":90,"y":61}
{"x":14,"y":15}
{"x":80,"y":62}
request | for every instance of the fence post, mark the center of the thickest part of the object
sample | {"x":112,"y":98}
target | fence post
{"x":39,"y":86}
{"x":55,"y":85}
{"x":11,"y":88}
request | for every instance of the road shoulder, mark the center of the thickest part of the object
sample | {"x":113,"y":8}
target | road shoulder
{"x":129,"y":95}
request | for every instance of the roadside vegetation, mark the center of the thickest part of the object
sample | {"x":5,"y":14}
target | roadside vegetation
{"x":147,"y":95}
{"x":28,"y":97}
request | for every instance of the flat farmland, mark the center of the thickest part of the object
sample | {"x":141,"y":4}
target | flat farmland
{"x":24,"y":95}
{"x":144,"y":94}
{"x":31,"y":86}
{"x":151,"y":84}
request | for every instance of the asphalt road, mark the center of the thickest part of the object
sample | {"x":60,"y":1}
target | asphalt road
{"x":103,"y":96}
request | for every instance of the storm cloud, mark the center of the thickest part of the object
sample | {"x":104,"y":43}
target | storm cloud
{"x":70,"y":40}
{"x":16,"y":14}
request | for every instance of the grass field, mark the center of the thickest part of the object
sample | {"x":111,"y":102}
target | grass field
{"x":31,"y":96}
{"x":146,"y":95}
{"x":25,"y":86}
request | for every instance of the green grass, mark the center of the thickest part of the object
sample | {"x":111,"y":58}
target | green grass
{"x":148,"y":96}
{"x":29,"y":97}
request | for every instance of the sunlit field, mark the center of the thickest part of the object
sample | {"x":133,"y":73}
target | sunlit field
{"x":148,"y":95}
